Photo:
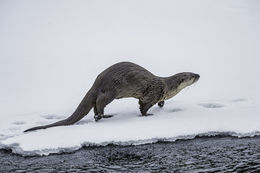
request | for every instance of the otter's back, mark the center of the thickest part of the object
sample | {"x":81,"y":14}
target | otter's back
{"x":127,"y":78}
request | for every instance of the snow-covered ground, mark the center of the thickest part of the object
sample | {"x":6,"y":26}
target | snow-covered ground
{"x":51,"y":52}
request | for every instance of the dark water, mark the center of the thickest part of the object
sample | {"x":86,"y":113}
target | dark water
{"x":214,"y":154}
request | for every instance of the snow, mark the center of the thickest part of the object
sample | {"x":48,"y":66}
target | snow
{"x":177,"y":120}
{"x":52,"y":51}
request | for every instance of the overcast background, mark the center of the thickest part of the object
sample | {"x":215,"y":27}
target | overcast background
{"x":51,"y":51}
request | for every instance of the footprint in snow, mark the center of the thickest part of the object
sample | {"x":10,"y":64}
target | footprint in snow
{"x":176,"y":110}
{"x":211,"y":105}
{"x":239,"y":100}
{"x":51,"y":117}
{"x":18,"y":123}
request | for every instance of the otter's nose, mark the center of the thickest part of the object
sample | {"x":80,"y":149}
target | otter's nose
{"x":197,"y":76}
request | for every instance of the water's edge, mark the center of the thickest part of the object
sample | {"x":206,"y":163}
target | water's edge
{"x":218,"y":153}
{"x":17,"y":150}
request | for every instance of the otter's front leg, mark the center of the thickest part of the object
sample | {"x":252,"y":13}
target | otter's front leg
{"x":161,"y":104}
{"x":144,"y":107}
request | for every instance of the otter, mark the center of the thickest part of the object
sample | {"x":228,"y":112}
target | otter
{"x":126,"y":79}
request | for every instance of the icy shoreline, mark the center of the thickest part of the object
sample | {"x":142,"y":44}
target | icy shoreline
{"x":175,"y":121}
{"x":15,"y":149}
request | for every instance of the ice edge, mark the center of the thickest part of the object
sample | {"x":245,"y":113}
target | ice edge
{"x":16,"y":149}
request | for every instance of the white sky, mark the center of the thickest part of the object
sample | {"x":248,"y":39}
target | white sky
{"x":51,"y":51}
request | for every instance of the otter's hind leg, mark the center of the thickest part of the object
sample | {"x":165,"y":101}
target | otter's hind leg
{"x":103,"y":116}
{"x":103,"y":99}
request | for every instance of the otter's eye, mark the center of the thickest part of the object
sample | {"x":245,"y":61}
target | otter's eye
{"x":182,"y":80}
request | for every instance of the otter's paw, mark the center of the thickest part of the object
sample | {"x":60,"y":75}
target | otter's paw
{"x":145,"y":115}
{"x":161,"y":104}
{"x":107,"y":116}
{"x":97,"y":117}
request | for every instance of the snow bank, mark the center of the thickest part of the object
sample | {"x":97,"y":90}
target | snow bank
{"x":177,"y":120}
{"x":51,"y":52}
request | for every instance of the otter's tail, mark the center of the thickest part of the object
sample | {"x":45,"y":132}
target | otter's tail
{"x":84,"y":107}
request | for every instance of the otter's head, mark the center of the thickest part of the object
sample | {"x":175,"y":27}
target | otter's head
{"x":179,"y":81}
{"x":185,"y":79}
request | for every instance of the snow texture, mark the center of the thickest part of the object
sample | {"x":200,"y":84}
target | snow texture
{"x":52,"y":51}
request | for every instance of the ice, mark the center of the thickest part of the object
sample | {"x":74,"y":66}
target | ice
{"x":128,"y":127}
{"x":51,"y":53}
